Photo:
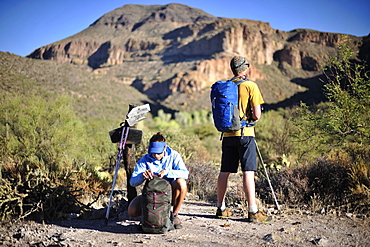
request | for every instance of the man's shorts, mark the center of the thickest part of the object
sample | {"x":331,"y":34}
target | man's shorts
{"x":237,"y":149}
{"x":170,"y":180}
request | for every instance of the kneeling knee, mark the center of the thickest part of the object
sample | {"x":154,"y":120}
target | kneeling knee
{"x":134,"y":208}
{"x":181,"y":183}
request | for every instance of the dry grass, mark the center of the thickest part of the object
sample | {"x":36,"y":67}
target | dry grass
{"x":202,"y":180}
{"x":332,"y":183}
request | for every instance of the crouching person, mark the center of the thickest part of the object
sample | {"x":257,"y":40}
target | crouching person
{"x":163,"y":162}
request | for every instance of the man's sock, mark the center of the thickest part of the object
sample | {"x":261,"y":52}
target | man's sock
{"x":221,"y":206}
{"x":253,"y":209}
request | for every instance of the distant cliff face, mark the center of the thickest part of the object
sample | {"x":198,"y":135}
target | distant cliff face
{"x":162,"y":50}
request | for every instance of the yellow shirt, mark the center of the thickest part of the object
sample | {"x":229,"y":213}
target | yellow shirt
{"x":249,"y":96}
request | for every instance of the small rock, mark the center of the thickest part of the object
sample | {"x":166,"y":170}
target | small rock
{"x":321,"y":211}
{"x":269,"y":237}
{"x":73,"y":215}
{"x":140,"y":242}
{"x":349,"y":215}
{"x":320,"y":241}
{"x":271,"y":210}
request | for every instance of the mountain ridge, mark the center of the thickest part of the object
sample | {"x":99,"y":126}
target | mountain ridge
{"x":172,"y":52}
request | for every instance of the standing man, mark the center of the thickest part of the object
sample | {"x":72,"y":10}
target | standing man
{"x":164,"y":162}
{"x":239,"y":146}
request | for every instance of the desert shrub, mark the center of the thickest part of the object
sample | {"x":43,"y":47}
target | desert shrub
{"x":345,"y":117}
{"x":189,"y":146}
{"x":184,"y":118}
{"x":309,"y":140}
{"x":194,"y":118}
{"x":209,"y":137}
{"x":274,"y":137}
{"x":329,"y":182}
{"x":338,"y":181}
{"x":164,"y":121}
{"x":204,"y":130}
{"x":290,"y":186}
{"x":202,"y":180}
{"x":333,"y":137}
{"x":44,"y":148}
{"x":357,"y":158}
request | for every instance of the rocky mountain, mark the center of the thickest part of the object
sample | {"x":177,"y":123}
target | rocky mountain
{"x":173,"y":53}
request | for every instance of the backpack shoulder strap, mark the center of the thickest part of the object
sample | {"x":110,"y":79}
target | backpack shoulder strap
{"x":238,"y":80}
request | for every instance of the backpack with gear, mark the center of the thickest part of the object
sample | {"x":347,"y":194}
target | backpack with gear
{"x":156,"y":208}
{"x":224,"y":98}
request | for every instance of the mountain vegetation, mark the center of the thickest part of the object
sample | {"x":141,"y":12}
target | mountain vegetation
{"x":173,"y":53}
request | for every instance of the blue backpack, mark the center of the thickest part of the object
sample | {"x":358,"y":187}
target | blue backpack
{"x":224,"y":98}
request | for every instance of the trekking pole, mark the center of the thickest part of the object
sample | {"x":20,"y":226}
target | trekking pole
{"x":267,"y":176}
{"x":121,"y":148}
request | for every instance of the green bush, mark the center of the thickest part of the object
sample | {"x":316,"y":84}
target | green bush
{"x":333,"y":138}
{"x":345,"y":118}
{"x":274,"y":138}
{"x":43,"y":147}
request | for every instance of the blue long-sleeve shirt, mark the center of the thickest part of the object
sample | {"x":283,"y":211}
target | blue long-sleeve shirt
{"x":171,"y":162}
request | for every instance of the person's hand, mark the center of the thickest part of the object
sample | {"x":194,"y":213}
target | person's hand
{"x":148,"y":174}
{"x":162,"y":173}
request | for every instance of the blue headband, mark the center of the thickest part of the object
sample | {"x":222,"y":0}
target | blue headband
{"x":156,"y":147}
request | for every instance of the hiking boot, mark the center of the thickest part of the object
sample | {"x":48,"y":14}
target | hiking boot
{"x":223,"y":214}
{"x":259,"y":217}
{"x":176,"y":222}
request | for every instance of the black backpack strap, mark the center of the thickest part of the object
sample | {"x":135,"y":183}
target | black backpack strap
{"x":221,"y":136}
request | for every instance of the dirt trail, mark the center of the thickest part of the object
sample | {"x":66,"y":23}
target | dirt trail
{"x":200,"y":228}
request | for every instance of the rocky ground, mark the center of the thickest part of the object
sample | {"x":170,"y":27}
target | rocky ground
{"x":200,"y":228}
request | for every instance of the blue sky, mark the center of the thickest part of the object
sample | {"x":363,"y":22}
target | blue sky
{"x":26,"y":25}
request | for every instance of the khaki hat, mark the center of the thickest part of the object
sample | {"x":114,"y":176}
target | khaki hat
{"x":239,"y":64}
